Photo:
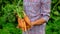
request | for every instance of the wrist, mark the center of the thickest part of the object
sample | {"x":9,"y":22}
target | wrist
{"x":33,"y":23}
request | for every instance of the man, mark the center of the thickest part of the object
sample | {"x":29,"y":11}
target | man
{"x":38,"y":12}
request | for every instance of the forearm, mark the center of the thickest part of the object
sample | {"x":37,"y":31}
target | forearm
{"x":38,"y":22}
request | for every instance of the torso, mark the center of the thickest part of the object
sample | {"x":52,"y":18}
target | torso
{"x":32,"y":9}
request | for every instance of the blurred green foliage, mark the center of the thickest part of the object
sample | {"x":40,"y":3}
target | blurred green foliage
{"x":53,"y":25}
{"x":8,"y":20}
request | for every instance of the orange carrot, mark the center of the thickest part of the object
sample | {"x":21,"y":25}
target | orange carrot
{"x":27,"y":20}
{"x":22,"y":24}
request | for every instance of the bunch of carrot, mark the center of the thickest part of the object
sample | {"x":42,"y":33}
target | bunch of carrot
{"x":23,"y":20}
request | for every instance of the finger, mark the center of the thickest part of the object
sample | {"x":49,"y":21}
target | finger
{"x":28,"y":27}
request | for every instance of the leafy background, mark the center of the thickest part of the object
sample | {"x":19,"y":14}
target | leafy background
{"x":8,"y":20}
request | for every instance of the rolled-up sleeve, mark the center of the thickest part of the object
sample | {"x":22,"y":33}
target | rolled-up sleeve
{"x":45,"y":9}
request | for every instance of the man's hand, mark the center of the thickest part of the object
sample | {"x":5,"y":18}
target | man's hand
{"x":27,"y":20}
{"x":28,"y":26}
{"x":28,"y":23}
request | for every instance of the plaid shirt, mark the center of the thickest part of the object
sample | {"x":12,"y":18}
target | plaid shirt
{"x":36,"y":9}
